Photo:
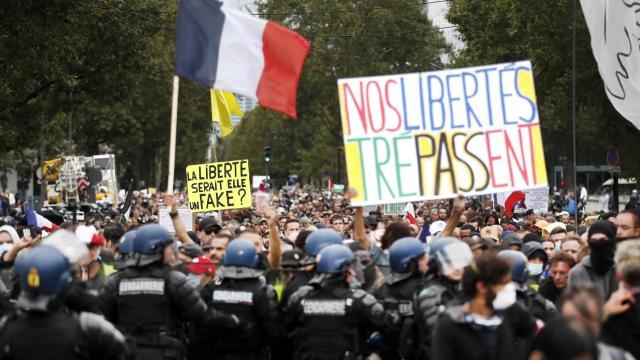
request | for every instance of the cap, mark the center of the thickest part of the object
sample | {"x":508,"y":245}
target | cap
{"x":292,"y":259}
{"x":554,"y":226}
{"x":490,"y":232}
{"x":191,"y":250}
{"x":258,"y":220}
{"x":209,"y":224}
{"x":202,"y":265}
{"x":437,"y":226}
{"x":562,"y":213}
{"x":541,"y":224}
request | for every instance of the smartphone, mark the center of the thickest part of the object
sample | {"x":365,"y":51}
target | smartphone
{"x":26,"y":233}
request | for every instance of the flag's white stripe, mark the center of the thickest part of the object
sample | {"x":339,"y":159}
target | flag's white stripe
{"x":240,"y":57}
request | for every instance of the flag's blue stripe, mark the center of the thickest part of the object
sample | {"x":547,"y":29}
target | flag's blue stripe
{"x":200,"y":25}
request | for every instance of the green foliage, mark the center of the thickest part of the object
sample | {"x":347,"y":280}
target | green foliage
{"x":311,"y":145}
{"x":509,"y":30}
{"x":105,"y":67}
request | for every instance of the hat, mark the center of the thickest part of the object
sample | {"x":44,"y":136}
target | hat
{"x":202,"y":265}
{"x":437,"y":226}
{"x":511,"y":238}
{"x":541,"y":224}
{"x":192,"y":250}
{"x":292,"y":259}
{"x":531,"y":237}
{"x":209,"y":224}
{"x":531,"y":248}
{"x":605,"y":227}
{"x":555,"y":225}
{"x":490,"y":232}
{"x":97,"y":240}
{"x":562,"y":213}
{"x":256,"y":220}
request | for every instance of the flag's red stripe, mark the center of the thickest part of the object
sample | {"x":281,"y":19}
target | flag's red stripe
{"x":284,"y":55}
{"x":412,"y":219}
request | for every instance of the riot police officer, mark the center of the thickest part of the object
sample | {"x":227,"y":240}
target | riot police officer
{"x":43,"y":327}
{"x":316,"y":241}
{"x":149,"y":301}
{"x":535,"y":303}
{"x":241,"y":290}
{"x":408,"y":260}
{"x":448,"y":257}
{"x":529,"y":306}
{"x":327,"y":318}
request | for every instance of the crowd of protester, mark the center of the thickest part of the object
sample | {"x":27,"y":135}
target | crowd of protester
{"x":458,"y":279}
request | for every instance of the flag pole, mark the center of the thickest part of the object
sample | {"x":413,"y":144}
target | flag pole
{"x":172,"y":140}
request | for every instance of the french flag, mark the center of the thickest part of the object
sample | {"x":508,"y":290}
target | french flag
{"x":222,"y":48}
{"x":410,"y":213}
{"x":33,"y":218}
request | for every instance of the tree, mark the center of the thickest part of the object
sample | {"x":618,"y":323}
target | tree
{"x":348,"y":39}
{"x":104,"y":70}
{"x":509,"y":30}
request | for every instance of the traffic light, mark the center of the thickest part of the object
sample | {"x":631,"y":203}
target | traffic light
{"x":267,"y":154}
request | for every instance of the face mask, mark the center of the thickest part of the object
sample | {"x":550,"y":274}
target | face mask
{"x":558,"y":246}
{"x":5,"y":247}
{"x":534,"y":269}
{"x":506,"y":297}
{"x":193,"y":279}
{"x":292,"y":236}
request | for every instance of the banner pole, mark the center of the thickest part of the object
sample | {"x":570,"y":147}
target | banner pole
{"x":172,"y":140}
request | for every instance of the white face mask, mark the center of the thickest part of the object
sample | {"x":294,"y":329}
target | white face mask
{"x":534,"y":269}
{"x":292,"y":236}
{"x":5,"y":247}
{"x":506,"y":297}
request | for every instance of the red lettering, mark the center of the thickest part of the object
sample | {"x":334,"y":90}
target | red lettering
{"x":363,"y":120}
{"x":373,"y":128}
{"x":492,"y":158}
{"x":386,"y":93}
{"x":533,"y":156}
{"x":511,"y":155}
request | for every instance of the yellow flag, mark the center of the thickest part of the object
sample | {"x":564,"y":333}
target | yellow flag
{"x":223,"y":105}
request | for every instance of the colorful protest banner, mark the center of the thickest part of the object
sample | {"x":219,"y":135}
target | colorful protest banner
{"x":536,"y":199}
{"x":424,"y":136}
{"x":219,"y":186}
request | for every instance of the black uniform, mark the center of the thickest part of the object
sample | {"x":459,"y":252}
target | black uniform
{"x":150,"y":304}
{"x":432,"y":300}
{"x":298,"y":280}
{"x":397,"y":298}
{"x":60,"y":334}
{"x":331,"y":321}
{"x":244,"y":293}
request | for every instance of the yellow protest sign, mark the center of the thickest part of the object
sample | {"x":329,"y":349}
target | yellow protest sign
{"x":219,"y":186}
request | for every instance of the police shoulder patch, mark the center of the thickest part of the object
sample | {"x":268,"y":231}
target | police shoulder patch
{"x":233,"y":297}
{"x":141,"y":286}
{"x":324,"y":307}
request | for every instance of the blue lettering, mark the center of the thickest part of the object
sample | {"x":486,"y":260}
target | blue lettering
{"x":487,"y":87}
{"x":451,"y":100}
{"x":504,"y":94}
{"x":404,"y":108}
{"x":467,"y":96}
{"x":433,"y":100}
{"x":530,"y":101}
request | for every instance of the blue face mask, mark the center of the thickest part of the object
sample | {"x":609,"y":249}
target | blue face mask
{"x":534,"y":269}
{"x":5,"y":247}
